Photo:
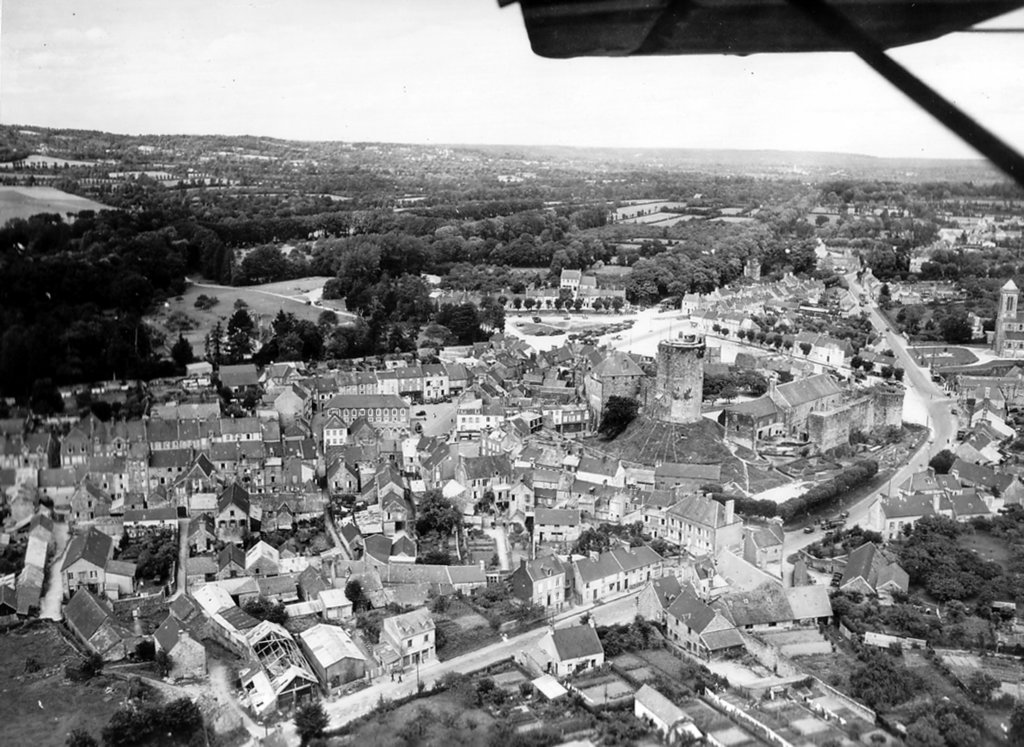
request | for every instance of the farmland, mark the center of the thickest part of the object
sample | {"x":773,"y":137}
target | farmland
{"x":299,"y":297}
{"x":22,"y":202}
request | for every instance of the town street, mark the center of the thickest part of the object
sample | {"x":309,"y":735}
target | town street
{"x":939,"y":417}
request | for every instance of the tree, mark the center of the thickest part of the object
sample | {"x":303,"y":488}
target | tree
{"x":435,"y":513}
{"x":897,"y":373}
{"x":181,"y":352}
{"x":240,"y":333}
{"x":355,"y":594}
{"x":942,"y":462}
{"x":805,"y":347}
{"x":1016,"y":734}
{"x":618,"y":413}
{"x":81,"y":738}
{"x":956,"y":328}
{"x":980,"y":685}
{"x":310,"y":722}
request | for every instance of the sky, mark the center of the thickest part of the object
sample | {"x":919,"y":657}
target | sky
{"x":461,"y":71}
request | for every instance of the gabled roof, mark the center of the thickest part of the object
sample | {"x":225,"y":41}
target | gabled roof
{"x":683,"y":471}
{"x":86,"y":613}
{"x":617,"y":364}
{"x":616,"y":561}
{"x":92,"y":545}
{"x":557,"y":517}
{"x":231,"y":554}
{"x":234,"y":494}
{"x":760,"y":606}
{"x":576,"y":642}
{"x":166,"y":636}
{"x":666,"y":589}
{"x":810,"y":389}
{"x":664,"y":709}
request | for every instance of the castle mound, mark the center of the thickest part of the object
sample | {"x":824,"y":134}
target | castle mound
{"x":651,"y":442}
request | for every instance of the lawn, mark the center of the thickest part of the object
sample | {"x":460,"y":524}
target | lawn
{"x":40,"y":709}
{"x":23,"y":202}
{"x":944,"y":356}
{"x":263,"y":301}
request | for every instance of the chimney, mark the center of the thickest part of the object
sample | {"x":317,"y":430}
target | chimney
{"x":730,"y":509}
{"x":522,"y":562}
{"x":935,"y":501}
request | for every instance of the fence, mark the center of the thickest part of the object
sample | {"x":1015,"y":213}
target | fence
{"x":859,"y":708}
{"x":745,"y":719}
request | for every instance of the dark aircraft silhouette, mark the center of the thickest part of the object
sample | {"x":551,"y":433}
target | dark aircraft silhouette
{"x":623,"y":28}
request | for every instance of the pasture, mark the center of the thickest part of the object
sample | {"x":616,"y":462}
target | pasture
{"x":24,"y":202}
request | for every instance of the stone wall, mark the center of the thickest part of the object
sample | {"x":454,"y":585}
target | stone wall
{"x":678,"y":387}
{"x":879,"y":407}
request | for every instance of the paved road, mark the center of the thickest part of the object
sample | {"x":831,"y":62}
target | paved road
{"x":940,"y":421}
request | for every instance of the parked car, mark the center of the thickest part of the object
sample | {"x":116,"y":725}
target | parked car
{"x":809,"y":530}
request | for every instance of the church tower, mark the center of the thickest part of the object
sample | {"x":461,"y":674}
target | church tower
{"x":1006,"y":315}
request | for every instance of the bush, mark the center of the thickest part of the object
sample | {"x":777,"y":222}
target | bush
{"x":84,"y":669}
{"x":205,"y":302}
{"x":129,"y":726}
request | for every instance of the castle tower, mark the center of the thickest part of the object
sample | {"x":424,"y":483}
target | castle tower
{"x":679,"y":382}
{"x":1007,"y":313}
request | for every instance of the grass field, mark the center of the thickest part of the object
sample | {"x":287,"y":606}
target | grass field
{"x":40,"y":709}
{"x":22,"y":202}
{"x":439,"y":719}
{"x":987,"y":546}
{"x":299,"y":297}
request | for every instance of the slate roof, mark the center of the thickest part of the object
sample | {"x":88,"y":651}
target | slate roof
{"x":235,"y":494}
{"x":617,"y":364}
{"x":557,"y":517}
{"x":92,"y":546}
{"x":666,"y":589}
{"x":810,"y":389}
{"x":86,"y":613}
{"x":167,"y":634}
{"x":616,"y":561}
{"x":576,"y":642}
{"x":711,"y":472}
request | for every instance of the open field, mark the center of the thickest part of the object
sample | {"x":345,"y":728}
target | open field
{"x":22,"y":202}
{"x":300,"y":297}
{"x":40,"y":709}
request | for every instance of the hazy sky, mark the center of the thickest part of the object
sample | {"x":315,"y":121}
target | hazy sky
{"x":461,"y":71}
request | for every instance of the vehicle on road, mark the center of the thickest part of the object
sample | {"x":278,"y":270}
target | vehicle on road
{"x":421,"y":414}
{"x":809,"y":530}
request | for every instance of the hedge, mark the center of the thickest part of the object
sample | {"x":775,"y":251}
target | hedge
{"x":820,"y":495}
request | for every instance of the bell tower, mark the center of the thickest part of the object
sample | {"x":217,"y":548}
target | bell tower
{"x":1009,"y":295}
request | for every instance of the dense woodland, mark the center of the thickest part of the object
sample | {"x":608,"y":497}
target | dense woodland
{"x":376,"y":218}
